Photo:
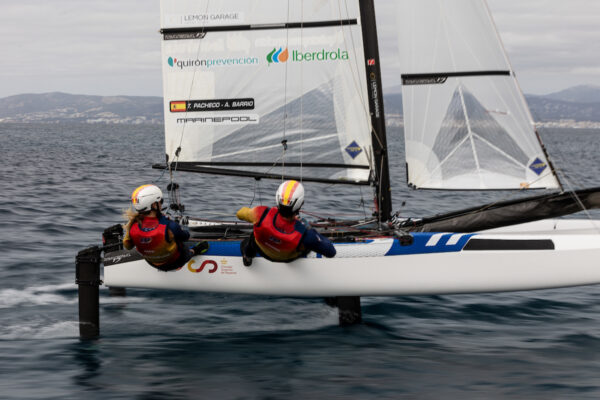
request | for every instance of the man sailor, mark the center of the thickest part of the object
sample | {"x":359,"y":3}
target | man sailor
{"x":278,"y":234}
{"x":158,"y":239}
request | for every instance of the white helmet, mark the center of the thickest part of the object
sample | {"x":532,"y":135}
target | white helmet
{"x":143,"y":197}
{"x":290,"y":197}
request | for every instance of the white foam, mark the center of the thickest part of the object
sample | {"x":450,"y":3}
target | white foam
{"x":122,"y":299}
{"x":39,"y":330}
{"x":33,"y":296}
{"x":49,"y":295}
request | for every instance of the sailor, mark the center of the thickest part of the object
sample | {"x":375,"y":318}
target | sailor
{"x":158,"y":239}
{"x":278,"y":234}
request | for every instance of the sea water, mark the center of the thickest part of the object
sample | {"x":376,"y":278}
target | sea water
{"x":62,"y":185}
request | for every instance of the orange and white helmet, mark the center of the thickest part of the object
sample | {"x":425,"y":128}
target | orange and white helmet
{"x":290,"y":196}
{"x":143,"y":197}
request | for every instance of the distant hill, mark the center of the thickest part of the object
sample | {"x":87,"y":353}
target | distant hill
{"x":64,"y":107}
{"x":545,"y":109}
{"x":578,"y":94}
{"x":576,"y":106}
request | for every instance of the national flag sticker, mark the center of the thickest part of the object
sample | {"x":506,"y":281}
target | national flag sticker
{"x":353,"y":149}
{"x":537,"y":166}
{"x":178,"y":106}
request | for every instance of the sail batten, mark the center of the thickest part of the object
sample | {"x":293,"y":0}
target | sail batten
{"x":230,"y":28}
{"x":198,"y":167}
{"x":440,"y":77}
{"x":459,"y":88}
{"x":276,"y":164}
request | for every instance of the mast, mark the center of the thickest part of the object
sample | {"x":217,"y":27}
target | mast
{"x":383,"y":195}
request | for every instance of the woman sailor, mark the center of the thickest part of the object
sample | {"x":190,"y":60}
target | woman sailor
{"x":158,"y":239}
{"x":278,"y":234}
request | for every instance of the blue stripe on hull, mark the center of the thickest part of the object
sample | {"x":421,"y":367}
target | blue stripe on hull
{"x":231,"y":249}
{"x":424,"y":242}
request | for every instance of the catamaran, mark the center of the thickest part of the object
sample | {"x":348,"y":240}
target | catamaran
{"x":292,"y":90}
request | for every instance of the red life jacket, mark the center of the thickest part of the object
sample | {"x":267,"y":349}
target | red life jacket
{"x":152,"y":242}
{"x":278,"y":238}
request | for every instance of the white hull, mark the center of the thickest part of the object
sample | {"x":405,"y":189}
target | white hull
{"x":437,"y":263}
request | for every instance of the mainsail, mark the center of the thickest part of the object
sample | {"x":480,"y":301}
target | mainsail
{"x":266,"y":89}
{"x":467,"y":125}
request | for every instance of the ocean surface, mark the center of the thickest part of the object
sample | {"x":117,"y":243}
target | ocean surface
{"x":62,"y":185}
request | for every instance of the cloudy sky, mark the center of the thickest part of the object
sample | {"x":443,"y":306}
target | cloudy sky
{"x":112,"y":47}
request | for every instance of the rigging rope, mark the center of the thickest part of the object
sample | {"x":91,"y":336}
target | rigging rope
{"x":284,"y":140}
{"x":173,"y":186}
{"x":571,"y":183}
{"x":362,"y":202}
{"x":365,"y":107}
{"x":357,"y":73}
{"x":301,"y":90}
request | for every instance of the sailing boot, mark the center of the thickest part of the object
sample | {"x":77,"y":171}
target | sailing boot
{"x":200,"y":248}
{"x":247,"y":250}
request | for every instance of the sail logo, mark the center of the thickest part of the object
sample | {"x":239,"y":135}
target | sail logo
{"x":537,"y":166}
{"x":211,"y":62}
{"x":353,"y":149}
{"x":278,"y":56}
{"x":423,"y":79}
{"x":243,"y":119}
{"x":212,"y":105}
{"x":320,"y":55}
{"x":216,"y":18}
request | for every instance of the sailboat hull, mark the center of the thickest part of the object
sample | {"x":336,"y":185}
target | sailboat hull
{"x":540,"y":255}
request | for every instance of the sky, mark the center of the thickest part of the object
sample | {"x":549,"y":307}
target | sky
{"x":112,"y":47}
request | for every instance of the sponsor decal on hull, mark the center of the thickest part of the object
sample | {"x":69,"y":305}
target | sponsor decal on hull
{"x":211,"y":266}
{"x":121,"y":256}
